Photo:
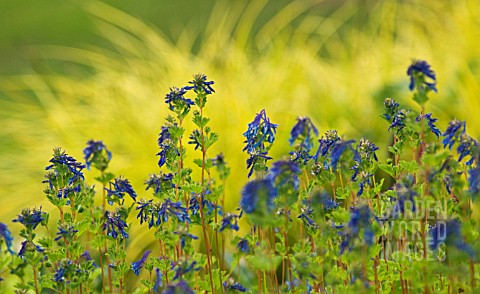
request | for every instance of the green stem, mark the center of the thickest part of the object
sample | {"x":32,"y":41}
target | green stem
{"x":199,"y":199}
{"x":265,"y":281}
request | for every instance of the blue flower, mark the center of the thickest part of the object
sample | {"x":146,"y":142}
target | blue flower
{"x":359,"y":219}
{"x":326,"y":143}
{"x":244,"y":246}
{"x":474,"y":181}
{"x":453,"y":132}
{"x":303,"y":129}
{"x":67,"y":232}
{"x":166,"y":145}
{"x":176,"y":99}
{"x":257,"y":193}
{"x":183,"y":268}
{"x":169,"y":208}
{"x":285,"y":173}
{"x":183,"y":237}
{"x":398,"y":121}
{"x":364,"y":154}
{"x":260,"y":131}
{"x":466,"y":147}
{"x":219,"y":160}
{"x":306,"y":216}
{"x":87,"y":257}
{"x":160,"y":183}
{"x":179,"y":288}
{"x":7,"y":236}
{"x":146,"y":211}
{"x":194,"y":205}
{"x":118,"y":189}
{"x":61,"y":161}
{"x":230,"y":220}
{"x":114,"y":224}
{"x":158,"y":280}
{"x":30,"y":246}
{"x":59,"y":275}
{"x":450,"y":233}
{"x":391,"y":108}
{"x":137,"y":265}
{"x":365,"y":150}
{"x":325,"y":200}
{"x":66,"y":271}
{"x":231,"y":285}
{"x":163,"y":136}
{"x":31,"y":218}
{"x":337,"y":151}
{"x":418,"y":70}
{"x":65,"y":192}
{"x":366,"y":180}
{"x":332,"y":145}
{"x":199,"y":83}
{"x":96,"y":151}
{"x":254,"y":158}
{"x":431,"y":123}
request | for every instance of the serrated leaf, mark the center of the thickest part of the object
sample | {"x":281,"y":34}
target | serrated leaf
{"x":388,"y":168}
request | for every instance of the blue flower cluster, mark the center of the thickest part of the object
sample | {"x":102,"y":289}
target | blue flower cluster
{"x":200,"y":83}
{"x":259,"y":137}
{"x":31,"y":218}
{"x":66,"y":232}
{"x":431,"y":123}
{"x":360,"y":219}
{"x":418,"y":71}
{"x":364,"y":154}
{"x":184,"y":236}
{"x":176,"y":99}
{"x":114,"y":224}
{"x":7,"y":236}
{"x":302,"y":132}
{"x":118,"y":189}
{"x":62,"y":162}
{"x":166,"y":145}
{"x":258,"y":193}
{"x":160,"y":182}
{"x":449,"y":233}
{"x":285,"y":173}
{"x":96,"y":152}
{"x":161,"y":212}
{"x":332,"y":146}
{"x":456,"y":132}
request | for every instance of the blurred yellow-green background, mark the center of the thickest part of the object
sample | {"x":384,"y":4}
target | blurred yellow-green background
{"x":76,"y":70}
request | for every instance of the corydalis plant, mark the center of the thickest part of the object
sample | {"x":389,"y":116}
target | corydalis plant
{"x":302,"y":133}
{"x":258,"y":139}
{"x":422,"y":80}
{"x":97,"y":154}
{"x":305,"y":231}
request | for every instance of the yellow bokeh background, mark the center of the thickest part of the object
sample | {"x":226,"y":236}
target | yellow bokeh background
{"x":334,"y":67}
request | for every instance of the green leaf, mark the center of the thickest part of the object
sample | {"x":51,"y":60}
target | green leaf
{"x":105,"y":178}
{"x":264,"y":262}
{"x":198,"y":162}
{"x":409,"y":166}
{"x":388,"y":168}
{"x":211,"y":140}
